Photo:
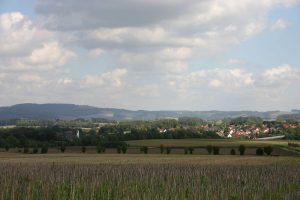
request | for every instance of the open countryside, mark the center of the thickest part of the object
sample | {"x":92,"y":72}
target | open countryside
{"x":149,"y":100}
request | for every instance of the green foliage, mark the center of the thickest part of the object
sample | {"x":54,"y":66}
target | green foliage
{"x":216,"y":150}
{"x":35,"y":150}
{"x":119,"y":149}
{"x":190,"y":121}
{"x":124,"y":148}
{"x":6,"y":147}
{"x":293,"y":144}
{"x":232,"y":152}
{"x":44,"y":149}
{"x":209,"y":149}
{"x":100,"y":147}
{"x":191,"y":150}
{"x":242,"y":149}
{"x":62,"y":148}
{"x":186,"y":150}
{"x":259,"y":152}
{"x":292,"y":133}
{"x":161,"y":148}
{"x":247,"y":121}
{"x":144,"y":149}
{"x":268,"y":150}
{"x":168,"y":150}
{"x":83,"y":149}
{"x":26,"y":150}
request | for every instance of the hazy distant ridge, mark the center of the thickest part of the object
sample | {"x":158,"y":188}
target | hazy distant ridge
{"x":71,"y":111}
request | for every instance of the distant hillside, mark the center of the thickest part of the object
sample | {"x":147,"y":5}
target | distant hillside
{"x":71,"y":111}
{"x":295,"y":116}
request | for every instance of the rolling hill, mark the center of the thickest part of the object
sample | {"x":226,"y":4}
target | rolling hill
{"x":71,"y":111}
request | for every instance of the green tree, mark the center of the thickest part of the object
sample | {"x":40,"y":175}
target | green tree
{"x":6,"y":147}
{"x":209,"y":149}
{"x":161,"y":148}
{"x":83,"y":149}
{"x":232,"y":151}
{"x":119,"y":148}
{"x":216,"y":150}
{"x":35,"y":150}
{"x":259,"y":151}
{"x":268,"y":150}
{"x":25,"y":150}
{"x":124,"y":148}
{"x":186,"y":150}
{"x":168,"y":150}
{"x":191,"y":150}
{"x":62,"y":148}
{"x":242,"y":149}
{"x":44,"y":148}
{"x":144,"y":149}
{"x":100,"y":147}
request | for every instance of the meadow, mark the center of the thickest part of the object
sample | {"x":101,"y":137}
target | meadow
{"x":152,"y":176}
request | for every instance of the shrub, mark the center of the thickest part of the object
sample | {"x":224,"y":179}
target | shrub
{"x":216,"y":150}
{"x":242,"y":149}
{"x":293,"y":144}
{"x":232,"y":152}
{"x":119,"y":149}
{"x":83,"y":149}
{"x":35,"y":150}
{"x":44,"y":149}
{"x":6,"y":147}
{"x":268,"y":150}
{"x":161,"y":148}
{"x":100,"y":148}
{"x":25,"y":150}
{"x":144,"y":149}
{"x":209,"y":149}
{"x":62,"y":148}
{"x":168,"y":150}
{"x":259,"y":151}
{"x":191,"y":149}
{"x":186,"y":150}
{"x":124,"y":148}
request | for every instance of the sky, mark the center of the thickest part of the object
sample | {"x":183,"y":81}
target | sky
{"x":151,"y":54}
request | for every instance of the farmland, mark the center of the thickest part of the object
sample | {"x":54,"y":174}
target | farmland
{"x":128,"y":176}
{"x":205,"y":142}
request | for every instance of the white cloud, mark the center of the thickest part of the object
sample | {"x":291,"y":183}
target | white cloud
{"x":93,"y":53}
{"x":33,"y":78}
{"x":158,"y":44}
{"x":279,"y":24}
{"x":25,"y":46}
{"x":18,"y":34}
{"x":110,"y":79}
{"x":215,"y":83}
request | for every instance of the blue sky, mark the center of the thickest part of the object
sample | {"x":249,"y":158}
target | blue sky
{"x":153,"y":55}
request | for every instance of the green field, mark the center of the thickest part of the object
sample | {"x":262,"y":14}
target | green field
{"x":205,"y":142}
{"x":152,"y":176}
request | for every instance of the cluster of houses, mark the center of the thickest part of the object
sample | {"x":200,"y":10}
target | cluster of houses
{"x":251,"y":132}
{"x":239,"y":131}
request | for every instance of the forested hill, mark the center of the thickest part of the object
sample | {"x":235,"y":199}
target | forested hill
{"x":71,"y":111}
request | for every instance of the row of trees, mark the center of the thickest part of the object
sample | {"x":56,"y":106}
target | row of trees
{"x":122,"y":148}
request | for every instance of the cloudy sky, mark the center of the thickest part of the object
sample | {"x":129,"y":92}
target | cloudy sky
{"x":152,"y":54}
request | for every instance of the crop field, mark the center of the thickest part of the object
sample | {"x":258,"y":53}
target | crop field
{"x":152,"y":176}
{"x":205,"y":142}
